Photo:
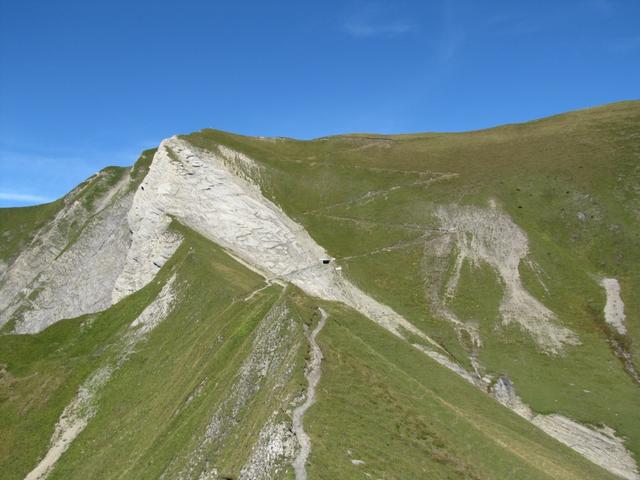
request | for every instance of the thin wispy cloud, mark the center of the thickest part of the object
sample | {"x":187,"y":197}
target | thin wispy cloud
{"x":23,"y":197}
{"x":601,"y":7}
{"x":519,"y":21}
{"x":377,"y":20}
{"x":364,"y":29}
{"x":522,"y":21}
{"x":28,"y":177}
{"x":452,"y":35}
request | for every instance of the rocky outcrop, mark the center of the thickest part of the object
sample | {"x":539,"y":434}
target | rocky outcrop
{"x":70,"y":267}
{"x":268,"y":365}
{"x":614,"y":308}
{"x":488,"y":235}
{"x":275,"y":443}
{"x":201,"y":190}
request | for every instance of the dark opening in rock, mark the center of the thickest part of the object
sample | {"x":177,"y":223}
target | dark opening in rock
{"x":326,"y":261}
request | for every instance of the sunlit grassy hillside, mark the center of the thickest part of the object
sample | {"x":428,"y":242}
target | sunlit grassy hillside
{"x":400,"y":215}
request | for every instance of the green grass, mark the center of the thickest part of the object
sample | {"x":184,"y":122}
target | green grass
{"x":18,"y":225}
{"x":570,"y":182}
{"x":141,"y":167}
{"x":145,"y":425}
{"x":43,"y":372}
{"x":407,"y":417}
{"x":378,"y":396}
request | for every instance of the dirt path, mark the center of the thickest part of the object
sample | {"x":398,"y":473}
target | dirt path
{"x":313,"y":377}
{"x":373,"y":194}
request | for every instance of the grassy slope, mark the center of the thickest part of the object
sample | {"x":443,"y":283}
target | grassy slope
{"x":383,"y":402}
{"x":144,"y":420}
{"x":19,"y":224}
{"x":404,"y":415}
{"x":42,"y":375}
{"x":570,"y":181}
{"x":401,"y":413}
{"x":145,"y":423}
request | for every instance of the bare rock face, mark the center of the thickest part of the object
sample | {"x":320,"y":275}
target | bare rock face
{"x":152,"y":244}
{"x":87,"y":270}
{"x":124,"y":241}
{"x":275,"y":443}
{"x":204,"y":191}
{"x":70,"y":267}
{"x":614,"y":308}
{"x":489,"y":235}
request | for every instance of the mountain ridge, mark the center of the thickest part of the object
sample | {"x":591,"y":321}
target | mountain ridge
{"x":406,"y":228}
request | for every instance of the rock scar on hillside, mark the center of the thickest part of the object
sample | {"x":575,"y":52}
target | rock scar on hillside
{"x":71,"y":264}
{"x":489,"y":235}
{"x":614,"y":308}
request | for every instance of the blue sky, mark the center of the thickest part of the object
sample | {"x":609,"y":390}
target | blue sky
{"x":85,"y":84}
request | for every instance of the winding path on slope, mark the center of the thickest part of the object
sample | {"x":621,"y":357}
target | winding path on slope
{"x":313,"y":377}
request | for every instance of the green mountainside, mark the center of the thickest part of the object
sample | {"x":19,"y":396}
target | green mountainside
{"x":478,"y":317}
